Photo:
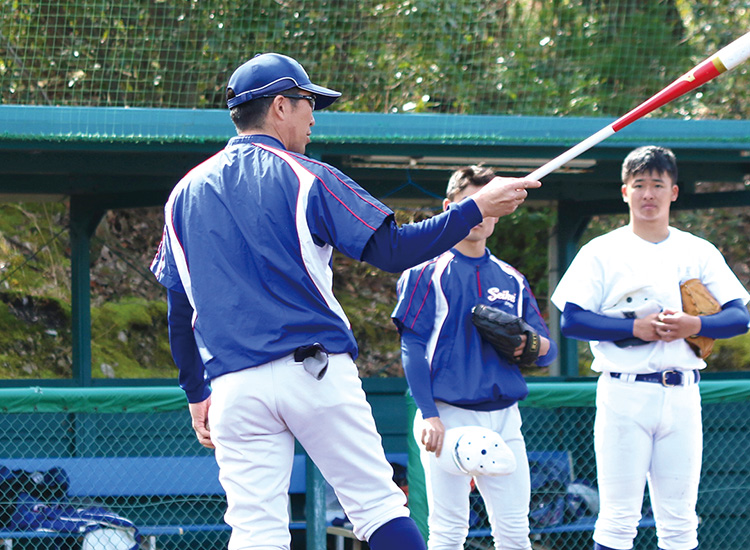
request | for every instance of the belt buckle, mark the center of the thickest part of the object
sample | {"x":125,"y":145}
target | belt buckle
{"x":666,"y":383}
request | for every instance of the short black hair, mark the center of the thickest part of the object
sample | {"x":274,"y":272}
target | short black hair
{"x":250,"y":114}
{"x":468,"y":175}
{"x":649,"y":158}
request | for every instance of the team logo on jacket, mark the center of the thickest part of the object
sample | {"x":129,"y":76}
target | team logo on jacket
{"x":494,"y":294}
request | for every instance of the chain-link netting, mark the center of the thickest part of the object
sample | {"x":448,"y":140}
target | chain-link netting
{"x":564,"y":501}
{"x":125,"y":461}
{"x":96,"y":468}
{"x":558,"y":428}
{"x":519,"y":57}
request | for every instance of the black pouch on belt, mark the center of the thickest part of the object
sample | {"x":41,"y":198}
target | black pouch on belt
{"x":314,"y":359}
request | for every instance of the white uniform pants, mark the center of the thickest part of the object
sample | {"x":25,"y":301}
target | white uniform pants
{"x":254,"y":417}
{"x":506,"y":498}
{"x":647,"y":432}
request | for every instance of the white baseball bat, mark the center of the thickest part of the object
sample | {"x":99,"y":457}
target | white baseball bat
{"x":724,"y":60}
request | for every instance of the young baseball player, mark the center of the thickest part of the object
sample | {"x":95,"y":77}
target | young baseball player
{"x":458,"y":379}
{"x":265,"y":351}
{"x":622,"y":293}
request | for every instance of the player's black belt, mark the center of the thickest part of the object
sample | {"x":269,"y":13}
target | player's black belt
{"x":667,"y":378}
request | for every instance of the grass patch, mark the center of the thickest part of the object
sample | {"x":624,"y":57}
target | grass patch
{"x":129,"y":339}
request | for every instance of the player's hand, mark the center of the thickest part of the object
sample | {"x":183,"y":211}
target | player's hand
{"x":502,"y":196}
{"x":673,"y":325}
{"x":645,"y":329}
{"x":199,"y":416}
{"x":433,"y":434}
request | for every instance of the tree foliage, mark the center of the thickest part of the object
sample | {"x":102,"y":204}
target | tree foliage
{"x":531,"y":57}
{"x":516,"y":57}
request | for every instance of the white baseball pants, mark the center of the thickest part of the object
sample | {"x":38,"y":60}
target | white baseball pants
{"x":646,"y":432}
{"x":254,"y":417}
{"x":506,"y":498}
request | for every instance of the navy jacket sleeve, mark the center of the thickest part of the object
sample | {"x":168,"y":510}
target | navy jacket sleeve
{"x":393,"y":248}
{"x":417,"y":370}
{"x":533,"y":317}
{"x":184,"y":349}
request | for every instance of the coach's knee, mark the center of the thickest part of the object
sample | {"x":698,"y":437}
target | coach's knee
{"x":398,"y":534}
{"x":598,"y":546}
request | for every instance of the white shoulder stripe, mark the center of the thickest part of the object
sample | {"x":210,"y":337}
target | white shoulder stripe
{"x":441,"y":304}
{"x":176,"y":246}
{"x":317,"y":259}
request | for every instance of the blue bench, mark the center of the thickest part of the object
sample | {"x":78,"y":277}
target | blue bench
{"x":176,"y":476}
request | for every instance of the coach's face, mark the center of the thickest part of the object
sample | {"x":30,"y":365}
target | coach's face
{"x":301,"y":121}
{"x":649,"y":196}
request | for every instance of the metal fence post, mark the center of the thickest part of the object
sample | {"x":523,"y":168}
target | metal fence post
{"x":315,"y":507}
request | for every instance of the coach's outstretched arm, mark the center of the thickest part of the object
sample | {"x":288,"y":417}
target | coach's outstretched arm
{"x":394,"y":249}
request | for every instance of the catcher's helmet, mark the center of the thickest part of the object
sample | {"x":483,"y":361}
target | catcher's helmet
{"x":268,"y":74}
{"x":474,"y":450}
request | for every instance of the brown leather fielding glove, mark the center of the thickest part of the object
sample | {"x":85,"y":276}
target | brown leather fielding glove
{"x":697,"y":300}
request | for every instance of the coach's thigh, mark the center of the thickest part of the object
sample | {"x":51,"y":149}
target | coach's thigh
{"x":255,"y":454}
{"x":333,"y":421}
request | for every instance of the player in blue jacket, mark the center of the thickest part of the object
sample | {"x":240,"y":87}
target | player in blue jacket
{"x":458,"y":379}
{"x":264,"y":349}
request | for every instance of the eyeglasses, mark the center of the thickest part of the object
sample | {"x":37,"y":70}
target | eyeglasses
{"x":310,"y":98}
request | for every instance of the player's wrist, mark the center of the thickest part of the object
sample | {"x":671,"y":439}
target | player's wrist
{"x":698,"y":324}
{"x":543,"y":345}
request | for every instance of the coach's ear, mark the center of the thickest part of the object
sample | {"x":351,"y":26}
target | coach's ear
{"x":446,"y":204}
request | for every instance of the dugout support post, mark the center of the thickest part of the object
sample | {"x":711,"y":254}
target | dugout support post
{"x":85,"y":216}
{"x":570,"y":227}
{"x":315,"y":507}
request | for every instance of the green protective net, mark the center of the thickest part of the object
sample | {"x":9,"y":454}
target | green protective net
{"x":133,"y":452}
{"x":558,"y":422}
{"x":479,"y":57}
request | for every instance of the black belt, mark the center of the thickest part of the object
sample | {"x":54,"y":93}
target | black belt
{"x":667,"y":378}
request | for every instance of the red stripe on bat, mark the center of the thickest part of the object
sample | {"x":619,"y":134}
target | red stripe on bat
{"x":699,"y":75}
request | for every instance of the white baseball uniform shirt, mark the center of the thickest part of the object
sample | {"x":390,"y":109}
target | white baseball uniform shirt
{"x":619,"y":264}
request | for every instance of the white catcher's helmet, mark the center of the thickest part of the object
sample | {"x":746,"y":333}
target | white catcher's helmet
{"x":474,"y":450}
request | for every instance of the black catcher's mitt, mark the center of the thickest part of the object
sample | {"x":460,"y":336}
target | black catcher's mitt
{"x":504,"y":332}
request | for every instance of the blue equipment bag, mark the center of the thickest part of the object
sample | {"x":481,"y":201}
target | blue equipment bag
{"x":36,"y":501}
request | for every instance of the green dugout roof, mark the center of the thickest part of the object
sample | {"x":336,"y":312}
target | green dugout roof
{"x":105,"y":158}
{"x":139,"y":154}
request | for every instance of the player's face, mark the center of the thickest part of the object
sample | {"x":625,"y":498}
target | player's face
{"x":483,"y":230}
{"x":302,"y":121}
{"x":649,"y":196}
